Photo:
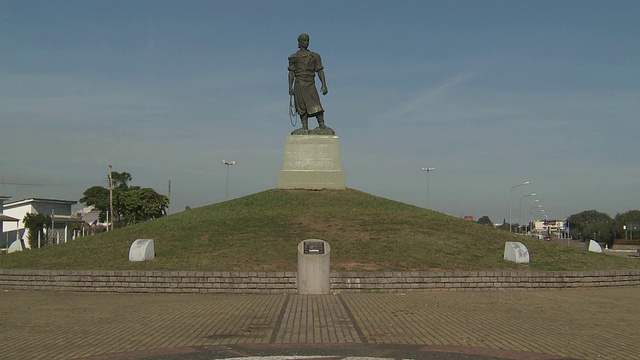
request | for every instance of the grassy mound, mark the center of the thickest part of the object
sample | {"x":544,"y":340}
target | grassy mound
{"x":261,"y":232}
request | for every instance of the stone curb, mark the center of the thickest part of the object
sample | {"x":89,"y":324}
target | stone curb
{"x":147,"y":281}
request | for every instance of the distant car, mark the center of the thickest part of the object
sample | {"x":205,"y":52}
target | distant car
{"x":547,"y":238}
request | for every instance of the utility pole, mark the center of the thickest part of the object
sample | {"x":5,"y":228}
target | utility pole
{"x":169,"y":197}
{"x":110,"y":198}
{"x":53,"y":215}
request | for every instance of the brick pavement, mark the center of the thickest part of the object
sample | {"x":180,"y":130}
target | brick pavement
{"x":576,"y":323}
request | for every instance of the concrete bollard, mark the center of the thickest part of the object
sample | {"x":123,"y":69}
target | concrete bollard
{"x":314,"y":267}
{"x":593,"y":246}
{"x":516,"y":252}
{"x":141,"y":250}
{"x":15,"y":246}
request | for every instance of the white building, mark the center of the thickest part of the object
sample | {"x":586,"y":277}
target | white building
{"x":60,"y":210}
{"x":549,"y":227}
{"x":91,"y":216}
{"x":5,"y":241}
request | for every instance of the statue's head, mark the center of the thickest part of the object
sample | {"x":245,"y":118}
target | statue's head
{"x":303,"y":41}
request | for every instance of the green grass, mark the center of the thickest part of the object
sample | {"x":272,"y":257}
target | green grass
{"x":261,"y":232}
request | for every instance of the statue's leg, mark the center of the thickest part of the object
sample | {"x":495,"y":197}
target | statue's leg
{"x":304,"y":119}
{"x":320,"y":118}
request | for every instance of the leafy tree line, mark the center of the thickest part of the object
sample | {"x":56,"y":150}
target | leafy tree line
{"x":485,"y":220}
{"x":591,"y":223}
{"x":131,"y":204}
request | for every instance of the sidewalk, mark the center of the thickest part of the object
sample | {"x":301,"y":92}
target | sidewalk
{"x":582,"y":324}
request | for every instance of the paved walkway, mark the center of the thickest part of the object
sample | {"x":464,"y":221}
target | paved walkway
{"x":582,"y":324}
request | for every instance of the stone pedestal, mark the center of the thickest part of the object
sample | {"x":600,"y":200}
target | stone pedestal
{"x":314,"y":267}
{"x":311,"y":162}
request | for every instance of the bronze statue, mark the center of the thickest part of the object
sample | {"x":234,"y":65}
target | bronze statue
{"x":303,"y":66}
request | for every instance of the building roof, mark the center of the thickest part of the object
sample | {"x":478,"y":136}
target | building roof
{"x":39,"y":200}
{"x":67,"y":219}
{"x":7,"y":218}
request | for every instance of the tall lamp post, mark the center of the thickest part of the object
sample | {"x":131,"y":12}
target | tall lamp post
{"x":428,"y":170}
{"x":520,"y":208}
{"x":538,"y":206}
{"x":228,"y":164}
{"x":533,"y":205}
{"x":510,"y":190}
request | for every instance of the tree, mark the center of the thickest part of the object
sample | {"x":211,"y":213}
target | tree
{"x":504,"y":226}
{"x":121,"y":180}
{"x":138,"y":204}
{"x":131,"y":204}
{"x":97,"y":196}
{"x":485,"y":220}
{"x":625,"y":220}
{"x":36,"y":223}
{"x":591,"y":223}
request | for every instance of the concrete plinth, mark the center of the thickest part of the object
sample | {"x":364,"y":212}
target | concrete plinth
{"x":311,"y":162}
{"x":314,"y":267}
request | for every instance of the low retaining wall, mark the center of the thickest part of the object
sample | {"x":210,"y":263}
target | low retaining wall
{"x":285,"y":282}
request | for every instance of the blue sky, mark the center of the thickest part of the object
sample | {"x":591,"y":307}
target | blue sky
{"x":490,"y":93}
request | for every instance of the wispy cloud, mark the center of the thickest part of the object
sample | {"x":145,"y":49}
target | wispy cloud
{"x":430,"y":97}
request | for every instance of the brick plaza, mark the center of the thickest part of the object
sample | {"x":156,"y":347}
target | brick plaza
{"x":585,"y":323}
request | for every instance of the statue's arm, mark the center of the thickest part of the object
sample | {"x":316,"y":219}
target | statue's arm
{"x":291,"y":77}
{"x":323,"y":81}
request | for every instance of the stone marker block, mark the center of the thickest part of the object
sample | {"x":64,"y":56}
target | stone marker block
{"x":15,"y":246}
{"x":141,"y":250}
{"x":311,"y":162}
{"x":593,"y":246}
{"x":314,"y":267}
{"x":516,"y":252}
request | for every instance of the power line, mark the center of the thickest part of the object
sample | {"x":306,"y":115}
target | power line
{"x":4,"y":182}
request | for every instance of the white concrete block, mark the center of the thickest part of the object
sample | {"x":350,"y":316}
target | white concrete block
{"x":141,"y":250}
{"x":593,"y":246}
{"x":15,"y":246}
{"x":516,"y":252}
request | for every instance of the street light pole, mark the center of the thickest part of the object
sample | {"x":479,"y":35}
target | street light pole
{"x":428,"y":170}
{"x":110,"y":224}
{"x":520,"y":208}
{"x":228,"y":164}
{"x":513,"y":187}
{"x":531,"y":213}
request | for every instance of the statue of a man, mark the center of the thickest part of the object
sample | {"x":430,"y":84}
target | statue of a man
{"x":303,"y":66}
